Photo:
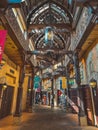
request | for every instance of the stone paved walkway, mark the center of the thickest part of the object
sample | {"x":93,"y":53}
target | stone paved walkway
{"x":44,"y":118}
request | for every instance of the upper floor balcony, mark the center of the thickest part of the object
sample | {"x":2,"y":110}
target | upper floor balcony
{"x":85,"y":25}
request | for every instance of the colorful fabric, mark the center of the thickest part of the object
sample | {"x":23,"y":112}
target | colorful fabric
{"x":2,"y":42}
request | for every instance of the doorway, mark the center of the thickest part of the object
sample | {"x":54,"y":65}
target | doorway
{"x":6,"y":97}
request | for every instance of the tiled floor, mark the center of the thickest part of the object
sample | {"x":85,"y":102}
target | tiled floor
{"x":44,"y":118}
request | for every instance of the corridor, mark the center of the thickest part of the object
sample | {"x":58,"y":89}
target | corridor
{"x":44,"y":118}
{"x":48,"y":56}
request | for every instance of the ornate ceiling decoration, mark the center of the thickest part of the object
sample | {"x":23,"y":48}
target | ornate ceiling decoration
{"x":58,"y":15}
{"x":55,"y":15}
{"x":50,"y":14}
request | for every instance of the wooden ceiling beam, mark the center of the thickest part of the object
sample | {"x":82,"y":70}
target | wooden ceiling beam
{"x":52,"y":2}
{"x":83,"y":2}
{"x":46,"y":48}
{"x":66,"y":26}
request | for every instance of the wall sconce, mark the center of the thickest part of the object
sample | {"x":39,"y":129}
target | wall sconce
{"x":29,"y":89}
{"x":93,"y":83}
{"x":48,"y":35}
{"x":4,"y":86}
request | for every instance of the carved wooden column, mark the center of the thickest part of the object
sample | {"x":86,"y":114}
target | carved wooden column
{"x":68,"y":86}
{"x":81,"y":114}
{"x":31,"y":102}
{"x":52,"y":96}
{"x":19,"y":93}
{"x":18,"y":111}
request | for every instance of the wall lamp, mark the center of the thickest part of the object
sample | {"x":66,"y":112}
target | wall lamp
{"x":93,"y":83}
{"x":4,"y":86}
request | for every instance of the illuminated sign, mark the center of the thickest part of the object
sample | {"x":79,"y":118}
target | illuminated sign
{"x":64,"y":82}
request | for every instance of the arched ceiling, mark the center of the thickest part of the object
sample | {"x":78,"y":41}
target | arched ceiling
{"x":59,"y":16}
{"x":48,"y":10}
{"x":54,"y":14}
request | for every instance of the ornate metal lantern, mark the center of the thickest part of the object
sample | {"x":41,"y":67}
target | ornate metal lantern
{"x":48,"y":35}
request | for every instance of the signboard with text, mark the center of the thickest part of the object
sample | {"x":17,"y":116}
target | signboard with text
{"x":3,"y":34}
{"x":64,"y":83}
{"x":37,"y":82}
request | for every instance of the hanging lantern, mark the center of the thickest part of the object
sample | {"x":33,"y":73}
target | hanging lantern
{"x":48,"y":35}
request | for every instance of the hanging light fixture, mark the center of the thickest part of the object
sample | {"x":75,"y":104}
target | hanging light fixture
{"x":93,"y":83}
{"x":48,"y":35}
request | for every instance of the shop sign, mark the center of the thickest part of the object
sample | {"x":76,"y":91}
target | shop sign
{"x":3,"y":34}
{"x":64,"y":83}
{"x":37,"y":79}
{"x":36,"y":85}
{"x":71,"y":82}
{"x":37,"y":82}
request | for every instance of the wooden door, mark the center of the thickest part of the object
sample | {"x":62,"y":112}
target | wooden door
{"x":6,"y":103}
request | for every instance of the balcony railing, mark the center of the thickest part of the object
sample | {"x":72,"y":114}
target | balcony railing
{"x":83,"y":23}
{"x":16,"y":29}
